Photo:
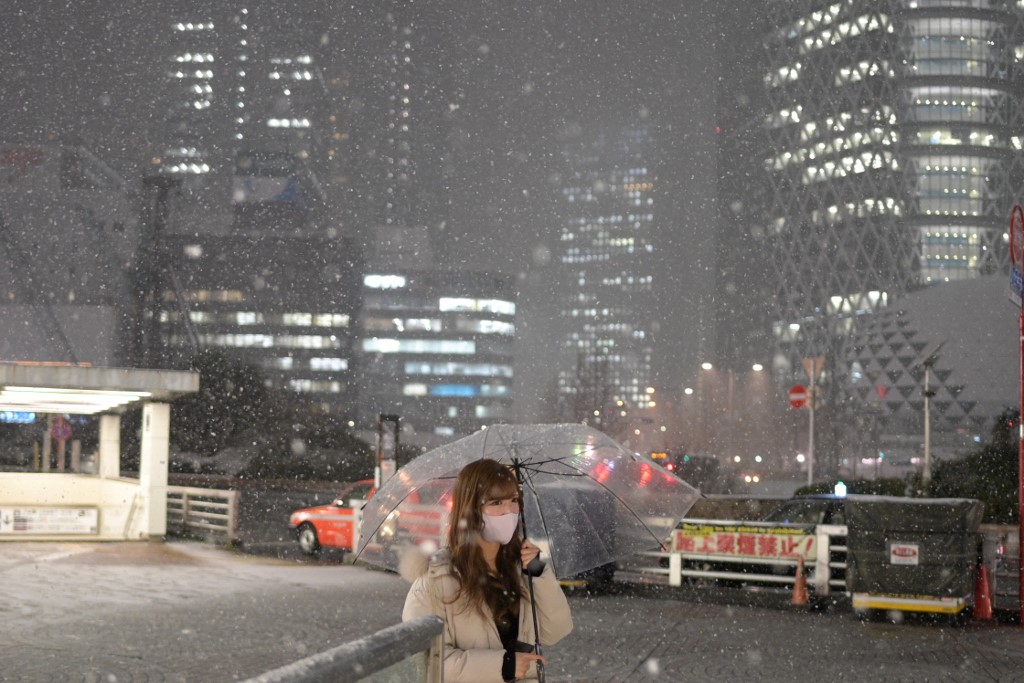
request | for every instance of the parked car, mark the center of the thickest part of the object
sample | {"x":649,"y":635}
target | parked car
{"x":332,"y":525}
{"x":826,"y":508}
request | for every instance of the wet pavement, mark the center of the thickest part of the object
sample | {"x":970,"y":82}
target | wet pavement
{"x":182,"y":611}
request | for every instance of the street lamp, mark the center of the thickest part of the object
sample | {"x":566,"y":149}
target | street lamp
{"x":927,"y":361}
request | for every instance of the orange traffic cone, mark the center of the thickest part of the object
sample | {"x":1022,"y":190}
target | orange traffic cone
{"x":800,"y":585}
{"x":982,"y":595}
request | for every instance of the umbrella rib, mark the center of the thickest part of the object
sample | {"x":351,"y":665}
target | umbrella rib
{"x":631,"y":510}
{"x":540,"y":513}
{"x":385,"y":518}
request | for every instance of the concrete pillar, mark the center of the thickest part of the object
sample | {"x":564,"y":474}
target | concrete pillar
{"x":153,"y":467}
{"x":47,"y":444}
{"x":109,"y":465}
{"x":76,"y":455}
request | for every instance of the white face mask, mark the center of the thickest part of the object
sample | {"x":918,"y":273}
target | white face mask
{"x":500,"y":528}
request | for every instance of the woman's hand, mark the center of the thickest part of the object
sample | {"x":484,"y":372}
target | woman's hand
{"x":523,"y":661}
{"x":529,"y":553}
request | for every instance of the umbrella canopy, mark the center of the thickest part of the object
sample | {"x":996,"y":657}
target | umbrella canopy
{"x":587,"y":501}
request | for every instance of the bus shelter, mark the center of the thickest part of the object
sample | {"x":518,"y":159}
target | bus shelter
{"x":99,"y":505}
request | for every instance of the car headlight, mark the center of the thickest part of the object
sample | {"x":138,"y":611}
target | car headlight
{"x":389,"y":529}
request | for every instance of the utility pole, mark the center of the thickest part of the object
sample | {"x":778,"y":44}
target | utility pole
{"x":145,"y":347}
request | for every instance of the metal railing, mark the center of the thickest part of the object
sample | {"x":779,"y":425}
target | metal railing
{"x":397,"y":654}
{"x":203,"y":512}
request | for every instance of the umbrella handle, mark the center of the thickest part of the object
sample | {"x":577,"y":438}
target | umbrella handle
{"x":536,"y":632}
{"x":517,"y":467}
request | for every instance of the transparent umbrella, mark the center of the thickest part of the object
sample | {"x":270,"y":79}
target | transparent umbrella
{"x":587,"y":501}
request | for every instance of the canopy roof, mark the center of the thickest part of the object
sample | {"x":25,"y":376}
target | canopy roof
{"x":84,"y":390}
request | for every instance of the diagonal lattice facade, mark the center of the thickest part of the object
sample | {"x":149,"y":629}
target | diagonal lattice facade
{"x":895,"y":157}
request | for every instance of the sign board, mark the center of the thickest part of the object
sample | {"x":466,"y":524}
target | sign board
{"x":814,"y":366}
{"x":744,"y":540}
{"x":904,"y":553}
{"x":63,"y":521}
{"x":798,"y":396}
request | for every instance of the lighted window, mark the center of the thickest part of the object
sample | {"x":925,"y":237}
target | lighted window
{"x":450,"y":346}
{"x":328,"y":364}
{"x":414,"y":390}
{"x":485,"y":326}
{"x":331,"y":320}
{"x":481,"y":305}
{"x":453,"y":390}
{"x":248,"y":318}
{"x":384,"y":281}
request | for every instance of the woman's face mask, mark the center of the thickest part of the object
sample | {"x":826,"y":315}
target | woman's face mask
{"x":500,"y":528}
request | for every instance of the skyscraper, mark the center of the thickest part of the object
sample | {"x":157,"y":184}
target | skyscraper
{"x":252,"y":127}
{"x":400,"y":111}
{"x":248,"y":118}
{"x":895,"y":158}
{"x":605,"y":246}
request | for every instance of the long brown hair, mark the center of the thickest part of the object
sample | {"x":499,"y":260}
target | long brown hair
{"x":477,"y":483}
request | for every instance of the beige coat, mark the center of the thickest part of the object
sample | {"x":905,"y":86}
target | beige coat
{"x":472,"y":648}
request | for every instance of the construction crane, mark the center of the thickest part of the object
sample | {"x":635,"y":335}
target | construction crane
{"x":156,"y":275}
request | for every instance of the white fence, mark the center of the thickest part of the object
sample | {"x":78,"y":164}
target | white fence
{"x":825,"y":574}
{"x":203,"y":512}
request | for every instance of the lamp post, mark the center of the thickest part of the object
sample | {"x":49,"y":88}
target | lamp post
{"x":927,"y":361}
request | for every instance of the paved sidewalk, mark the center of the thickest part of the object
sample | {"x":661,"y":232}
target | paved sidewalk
{"x":191,"y":612}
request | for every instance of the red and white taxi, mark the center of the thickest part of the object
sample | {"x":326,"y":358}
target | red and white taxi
{"x":332,"y":525}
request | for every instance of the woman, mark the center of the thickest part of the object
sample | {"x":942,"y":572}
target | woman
{"x":477,"y":586}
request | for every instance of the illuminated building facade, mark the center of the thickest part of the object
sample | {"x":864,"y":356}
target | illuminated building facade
{"x":894,"y":137}
{"x":400,"y":79}
{"x":288,"y":306}
{"x":250,"y":115}
{"x":894,"y":160}
{"x":605,"y":252}
{"x":437,"y":349}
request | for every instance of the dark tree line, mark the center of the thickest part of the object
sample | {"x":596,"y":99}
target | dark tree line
{"x":989,"y":474}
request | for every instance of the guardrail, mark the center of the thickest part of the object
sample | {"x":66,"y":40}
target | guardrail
{"x":204,"y":512}
{"x":399,"y":653}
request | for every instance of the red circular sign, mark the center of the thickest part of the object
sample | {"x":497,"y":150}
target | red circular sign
{"x":61,"y":429}
{"x":798,"y":396}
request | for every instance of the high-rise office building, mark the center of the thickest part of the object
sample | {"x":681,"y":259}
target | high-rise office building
{"x":254,"y":257}
{"x":605,"y":248}
{"x":895,"y":158}
{"x":250,"y":116}
{"x":286,"y":305}
{"x":436,"y":350}
{"x":401,"y":107}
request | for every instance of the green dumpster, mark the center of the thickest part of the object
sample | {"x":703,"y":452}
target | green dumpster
{"x":912,"y":554}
